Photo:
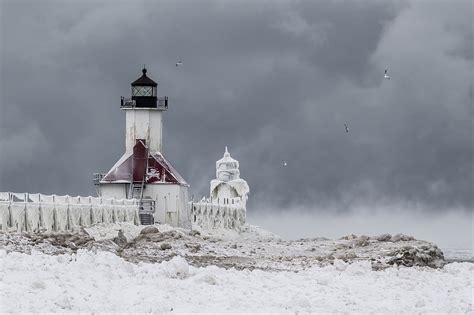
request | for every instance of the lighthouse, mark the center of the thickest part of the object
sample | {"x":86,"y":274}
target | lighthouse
{"x":143,"y":173}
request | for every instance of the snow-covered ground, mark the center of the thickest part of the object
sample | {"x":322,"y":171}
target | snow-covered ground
{"x":251,"y":248}
{"x":103,"y":282}
{"x":162,"y":269}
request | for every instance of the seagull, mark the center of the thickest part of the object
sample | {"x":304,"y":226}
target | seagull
{"x":386,"y":76}
{"x":285,"y":163}
{"x":347,"y":128}
{"x":179,"y":63}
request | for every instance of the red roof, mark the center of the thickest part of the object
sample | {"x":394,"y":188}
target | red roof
{"x":140,"y":164}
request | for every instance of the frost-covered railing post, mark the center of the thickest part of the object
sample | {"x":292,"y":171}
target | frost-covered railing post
{"x":38,"y":212}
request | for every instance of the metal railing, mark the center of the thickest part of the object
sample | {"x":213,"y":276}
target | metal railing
{"x":127,"y":102}
{"x":161,"y":103}
{"x":97,"y":177}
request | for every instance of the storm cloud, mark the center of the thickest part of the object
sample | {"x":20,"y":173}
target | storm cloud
{"x":271,"y":80}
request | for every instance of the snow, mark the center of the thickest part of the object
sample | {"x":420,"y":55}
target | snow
{"x":103,"y":231}
{"x":104,"y":282}
{"x":176,"y":270}
{"x":249,"y":248}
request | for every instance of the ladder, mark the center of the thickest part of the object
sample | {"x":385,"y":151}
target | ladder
{"x":136,"y":191}
{"x":146,"y":205}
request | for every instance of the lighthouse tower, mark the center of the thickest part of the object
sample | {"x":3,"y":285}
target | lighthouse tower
{"x":142,"y":172}
{"x":144,"y":114}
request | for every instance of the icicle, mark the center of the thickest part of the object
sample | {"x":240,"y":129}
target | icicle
{"x":86,"y":216}
{"x":47,"y":212}
{"x":75,"y":212}
{"x":114,"y":214}
{"x":120,"y":212}
{"x":18,"y":216}
{"x":61,"y":210}
{"x":108,"y":213}
{"x":5,"y":211}
{"x":32,"y":217}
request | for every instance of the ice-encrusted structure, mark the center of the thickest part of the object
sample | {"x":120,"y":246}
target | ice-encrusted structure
{"x":226,"y":206}
{"x":36,"y":212}
{"x":226,"y":213}
{"x":228,"y":183}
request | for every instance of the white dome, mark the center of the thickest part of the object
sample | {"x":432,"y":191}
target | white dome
{"x":227,"y":168}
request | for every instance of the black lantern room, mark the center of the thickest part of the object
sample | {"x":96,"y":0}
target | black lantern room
{"x":144,"y":93}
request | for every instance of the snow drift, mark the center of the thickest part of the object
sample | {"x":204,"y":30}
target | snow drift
{"x":104,"y":282}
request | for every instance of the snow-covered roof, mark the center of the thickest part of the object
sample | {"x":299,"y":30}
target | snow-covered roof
{"x":158,"y":169}
{"x":227,"y":159}
{"x":121,"y":172}
{"x":170,"y":170}
{"x":227,"y":167}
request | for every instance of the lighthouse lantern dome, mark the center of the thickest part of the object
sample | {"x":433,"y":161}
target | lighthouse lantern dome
{"x":144,"y":86}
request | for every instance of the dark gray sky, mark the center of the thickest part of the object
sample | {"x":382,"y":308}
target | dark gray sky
{"x":272,"y":80}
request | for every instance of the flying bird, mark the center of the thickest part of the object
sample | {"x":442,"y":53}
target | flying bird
{"x":284,"y":163}
{"x":347,"y":128}
{"x":386,"y":76}
{"x":179,"y":63}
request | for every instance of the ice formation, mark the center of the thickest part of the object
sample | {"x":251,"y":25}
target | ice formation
{"x":228,"y":183}
{"x":226,"y":206}
{"x":35,"y":212}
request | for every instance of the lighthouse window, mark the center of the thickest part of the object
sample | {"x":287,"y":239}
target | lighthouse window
{"x":142,"y":91}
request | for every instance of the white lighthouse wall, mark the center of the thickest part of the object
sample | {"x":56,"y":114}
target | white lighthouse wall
{"x":156,"y":131}
{"x":170,"y":203}
{"x":118,"y":191}
{"x":144,"y":124}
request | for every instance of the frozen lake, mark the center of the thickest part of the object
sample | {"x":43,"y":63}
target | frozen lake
{"x":458,"y":255}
